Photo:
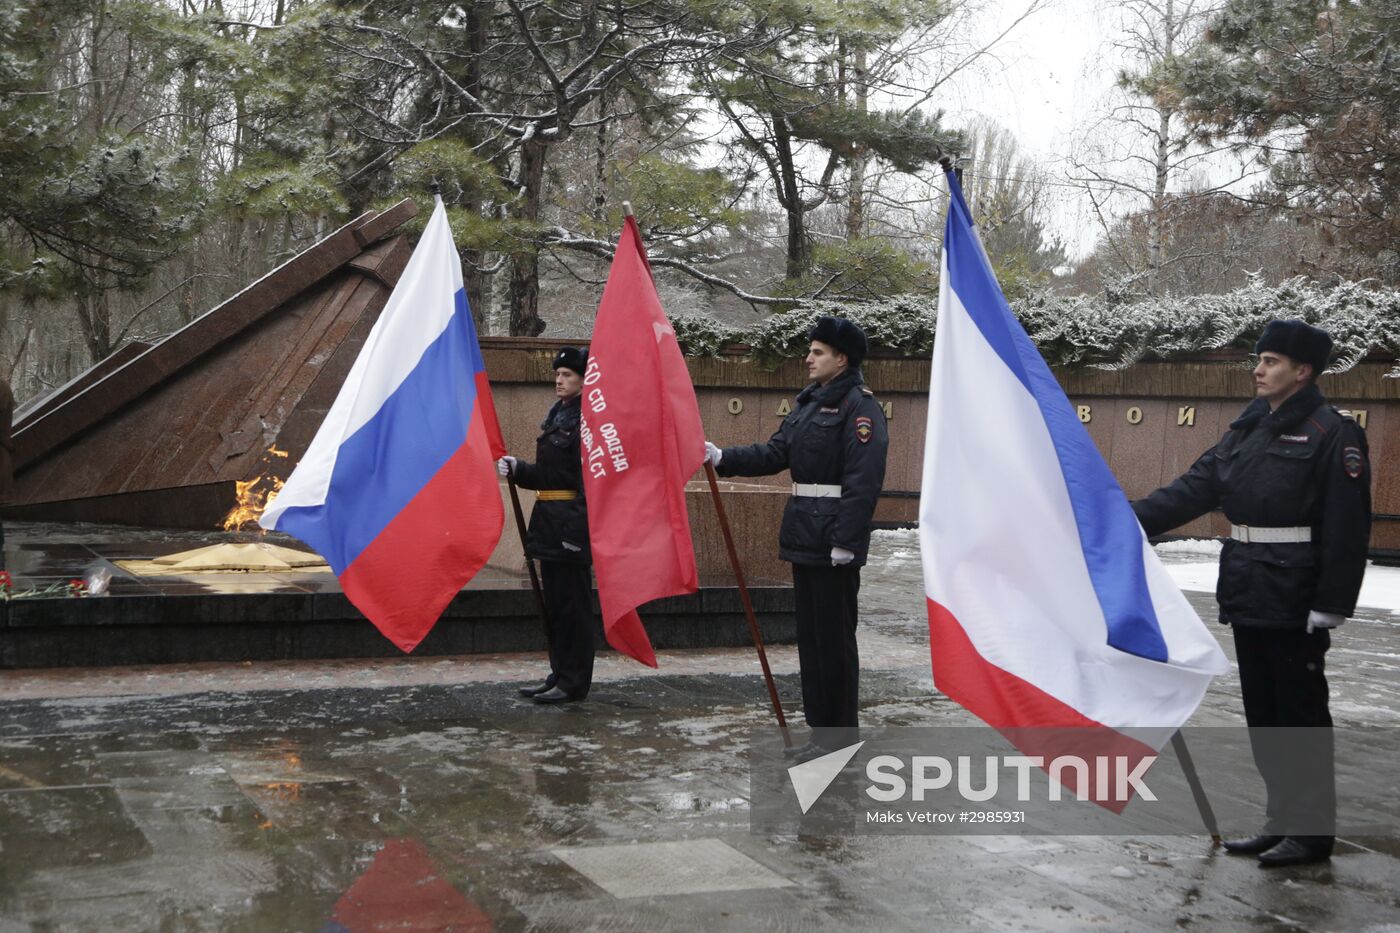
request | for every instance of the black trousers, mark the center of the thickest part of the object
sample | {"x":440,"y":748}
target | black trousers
{"x":568,"y":600}
{"x":826,"y":644}
{"x":1284,"y":685}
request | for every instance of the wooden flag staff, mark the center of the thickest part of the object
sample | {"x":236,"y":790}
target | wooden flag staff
{"x":1188,"y":767}
{"x":529,"y":564}
{"x":748,"y":605}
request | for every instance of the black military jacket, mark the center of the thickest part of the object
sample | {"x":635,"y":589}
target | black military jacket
{"x":836,"y":436}
{"x":558,"y":530}
{"x":1302,"y":465}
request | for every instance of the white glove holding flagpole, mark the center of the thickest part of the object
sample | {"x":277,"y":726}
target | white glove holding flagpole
{"x":713,"y":454}
{"x":505,"y":466}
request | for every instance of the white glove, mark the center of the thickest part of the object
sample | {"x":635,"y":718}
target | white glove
{"x":840,"y":556}
{"x":713,"y":455}
{"x":505,"y":466}
{"x":1324,"y":620}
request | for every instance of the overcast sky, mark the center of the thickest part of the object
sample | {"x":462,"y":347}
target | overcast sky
{"x":1050,"y":84}
{"x":1049,"y":73}
{"x":1048,"y":80}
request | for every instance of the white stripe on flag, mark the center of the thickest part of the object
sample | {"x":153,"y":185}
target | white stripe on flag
{"x":416,"y":314}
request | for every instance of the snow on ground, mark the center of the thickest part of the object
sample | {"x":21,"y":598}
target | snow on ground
{"x":1192,"y":562}
{"x":1192,"y":547}
{"x":1380,"y":589}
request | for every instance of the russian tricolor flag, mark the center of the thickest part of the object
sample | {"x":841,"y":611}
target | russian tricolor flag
{"x":1047,"y":607}
{"x":398,"y":490}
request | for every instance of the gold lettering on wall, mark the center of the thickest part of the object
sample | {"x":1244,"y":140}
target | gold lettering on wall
{"x":1085,"y":414}
{"x":1134,"y":415}
{"x":736,"y":406}
{"x":1186,"y":415}
{"x":888,"y":408}
{"x":784,"y":409}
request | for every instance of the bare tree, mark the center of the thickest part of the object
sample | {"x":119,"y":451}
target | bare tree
{"x":1142,"y":156}
{"x":1011,"y":197}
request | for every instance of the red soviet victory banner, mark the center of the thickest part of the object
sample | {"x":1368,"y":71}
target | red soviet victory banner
{"x":641,"y":442}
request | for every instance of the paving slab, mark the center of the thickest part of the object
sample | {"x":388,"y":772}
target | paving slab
{"x":422,"y":794}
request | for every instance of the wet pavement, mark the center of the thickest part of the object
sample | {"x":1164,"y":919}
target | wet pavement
{"x":421,"y":794}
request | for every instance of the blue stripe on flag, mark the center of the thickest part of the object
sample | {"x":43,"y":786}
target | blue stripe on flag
{"x":383,"y":465}
{"x":1108,"y":530}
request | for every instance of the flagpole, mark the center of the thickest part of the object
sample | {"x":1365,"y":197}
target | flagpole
{"x":529,"y":564}
{"x":748,"y":605}
{"x":1188,"y":767}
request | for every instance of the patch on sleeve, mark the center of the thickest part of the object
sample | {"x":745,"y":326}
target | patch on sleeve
{"x":864,"y":430}
{"x":1352,"y":461}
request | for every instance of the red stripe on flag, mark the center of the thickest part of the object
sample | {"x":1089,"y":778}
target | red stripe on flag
{"x":1031,"y":719}
{"x":486,"y":407}
{"x":406,"y":577}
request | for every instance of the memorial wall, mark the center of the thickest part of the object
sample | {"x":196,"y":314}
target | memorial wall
{"x":1150,"y":420}
{"x":145,"y":440}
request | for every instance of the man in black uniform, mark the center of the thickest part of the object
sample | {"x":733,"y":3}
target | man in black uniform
{"x":558,"y":535}
{"x":1293,"y":478}
{"x":834,"y":443}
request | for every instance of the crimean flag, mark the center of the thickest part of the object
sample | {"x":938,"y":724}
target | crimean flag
{"x":398,"y":490}
{"x":642,"y":441}
{"x":1048,"y":610}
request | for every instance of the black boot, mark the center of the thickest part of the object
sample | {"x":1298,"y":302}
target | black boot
{"x":529,"y":692}
{"x":1294,"y":851}
{"x":1254,"y":845}
{"x":554,"y":695}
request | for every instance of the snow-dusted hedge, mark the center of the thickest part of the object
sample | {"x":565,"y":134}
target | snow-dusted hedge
{"x":702,"y":335}
{"x":1088,"y":331}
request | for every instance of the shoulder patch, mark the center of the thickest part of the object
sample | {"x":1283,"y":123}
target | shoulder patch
{"x":1353,"y":462}
{"x":864,"y":429}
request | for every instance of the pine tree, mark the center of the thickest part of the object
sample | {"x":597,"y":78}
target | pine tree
{"x":1316,"y":87}
{"x":86,"y":207}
